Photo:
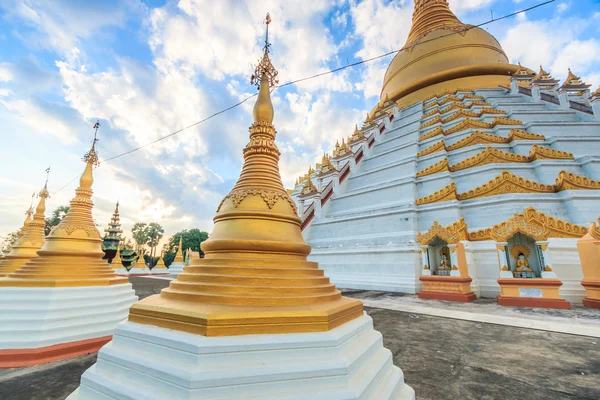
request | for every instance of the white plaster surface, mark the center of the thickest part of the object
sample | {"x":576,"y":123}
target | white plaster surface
{"x":140,"y":271}
{"x":176,"y":268}
{"x":365,"y":237}
{"x":39,"y":317}
{"x":147,"y":362}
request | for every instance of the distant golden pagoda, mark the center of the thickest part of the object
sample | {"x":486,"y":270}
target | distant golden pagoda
{"x":31,"y":237}
{"x":442,"y":53}
{"x":72,"y":254}
{"x":254,"y":277}
{"x":179,"y":254}
{"x":116,"y":262}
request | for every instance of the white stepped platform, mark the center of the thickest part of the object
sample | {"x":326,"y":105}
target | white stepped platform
{"x":147,"y":362}
{"x":160,"y":271}
{"x":38,"y":317}
{"x":176,"y":268}
{"x":140,"y":271}
{"x":121,"y":271}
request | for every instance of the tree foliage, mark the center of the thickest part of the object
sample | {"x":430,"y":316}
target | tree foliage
{"x":7,"y":242}
{"x":147,"y":235}
{"x":57,"y":215}
{"x":191,"y":239}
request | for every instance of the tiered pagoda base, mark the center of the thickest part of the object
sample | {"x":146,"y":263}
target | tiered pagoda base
{"x":149,"y":362}
{"x":140,"y":271}
{"x":40,"y":325}
{"x":449,"y":288}
{"x":176,"y":268}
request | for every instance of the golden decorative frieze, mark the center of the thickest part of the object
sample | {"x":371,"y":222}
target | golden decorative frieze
{"x":506,"y":183}
{"x":532,"y":223}
{"x":460,"y":114}
{"x":593,"y":230}
{"x":518,"y":134}
{"x":569,"y":181}
{"x":472,"y":96}
{"x":441,"y":166}
{"x":454,"y":106}
{"x":451,"y":234}
{"x":438,"y":146}
{"x":430,"y":113}
{"x":448,"y":99}
{"x":268,"y":196}
{"x":467,"y":124}
{"x":444,"y":194}
{"x":480,"y":103}
{"x":431,"y":122}
{"x":478,"y":137}
{"x":490,"y":155}
{"x":506,"y":121}
{"x":544,"y":153}
{"x":437,"y":131}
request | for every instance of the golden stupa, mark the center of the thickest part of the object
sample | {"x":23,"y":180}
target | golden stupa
{"x":72,"y":254}
{"x":160,"y":265}
{"x":254,"y":277}
{"x":443,"y":53}
{"x":31,"y":237}
{"x":116,"y":262}
{"x":179,"y":254}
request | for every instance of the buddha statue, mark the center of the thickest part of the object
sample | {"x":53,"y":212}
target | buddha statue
{"x":444,"y":267}
{"x":523,"y":270}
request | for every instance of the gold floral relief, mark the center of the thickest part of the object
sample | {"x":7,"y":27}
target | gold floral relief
{"x":506,"y":183}
{"x":544,"y":153}
{"x":437,"y":131}
{"x":438,"y":146}
{"x":431,"y":122}
{"x":531,"y":223}
{"x":444,"y":194}
{"x":569,"y":181}
{"x":489,"y":156}
{"x":518,"y":134}
{"x":451,"y":234}
{"x":441,"y":166}
{"x":476,"y":138}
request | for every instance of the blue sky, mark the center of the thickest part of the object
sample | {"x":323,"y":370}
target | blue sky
{"x":147,"y":68}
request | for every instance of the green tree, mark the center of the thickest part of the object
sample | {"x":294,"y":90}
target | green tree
{"x":155,"y":233}
{"x":57,"y":215}
{"x":7,"y":242}
{"x":191,"y":239}
{"x":139,"y":232}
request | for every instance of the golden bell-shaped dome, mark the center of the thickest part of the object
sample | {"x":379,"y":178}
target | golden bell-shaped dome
{"x":439,"y":49}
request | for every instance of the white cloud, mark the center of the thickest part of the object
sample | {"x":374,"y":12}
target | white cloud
{"x":553,"y":44}
{"x":40,"y":120}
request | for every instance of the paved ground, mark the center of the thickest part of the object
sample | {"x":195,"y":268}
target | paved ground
{"x":442,"y":359}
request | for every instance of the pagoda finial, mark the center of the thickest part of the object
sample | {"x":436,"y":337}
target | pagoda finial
{"x":430,"y":15}
{"x":264,"y":77}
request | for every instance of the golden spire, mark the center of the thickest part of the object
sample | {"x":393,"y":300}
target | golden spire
{"x":542,"y":75}
{"x":28,"y":215}
{"x":179,"y":254}
{"x":572,"y":80}
{"x":254,"y":277}
{"x":430,"y":15}
{"x":26,"y":246}
{"x":160,"y":264}
{"x":116,"y":262}
{"x":309,"y":187}
{"x":72,"y":254}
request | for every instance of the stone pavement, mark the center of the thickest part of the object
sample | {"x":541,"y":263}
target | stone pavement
{"x":442,"y":358}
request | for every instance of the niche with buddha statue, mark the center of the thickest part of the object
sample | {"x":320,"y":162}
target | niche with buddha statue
{"x":523,"y":256}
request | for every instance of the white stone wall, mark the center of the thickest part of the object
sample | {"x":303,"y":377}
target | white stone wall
{"x":365,"y":237}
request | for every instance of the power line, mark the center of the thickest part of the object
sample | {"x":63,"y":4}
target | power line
{"x":332,"y":71}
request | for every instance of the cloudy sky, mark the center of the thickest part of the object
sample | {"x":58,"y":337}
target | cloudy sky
{"x":146,"y":68}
